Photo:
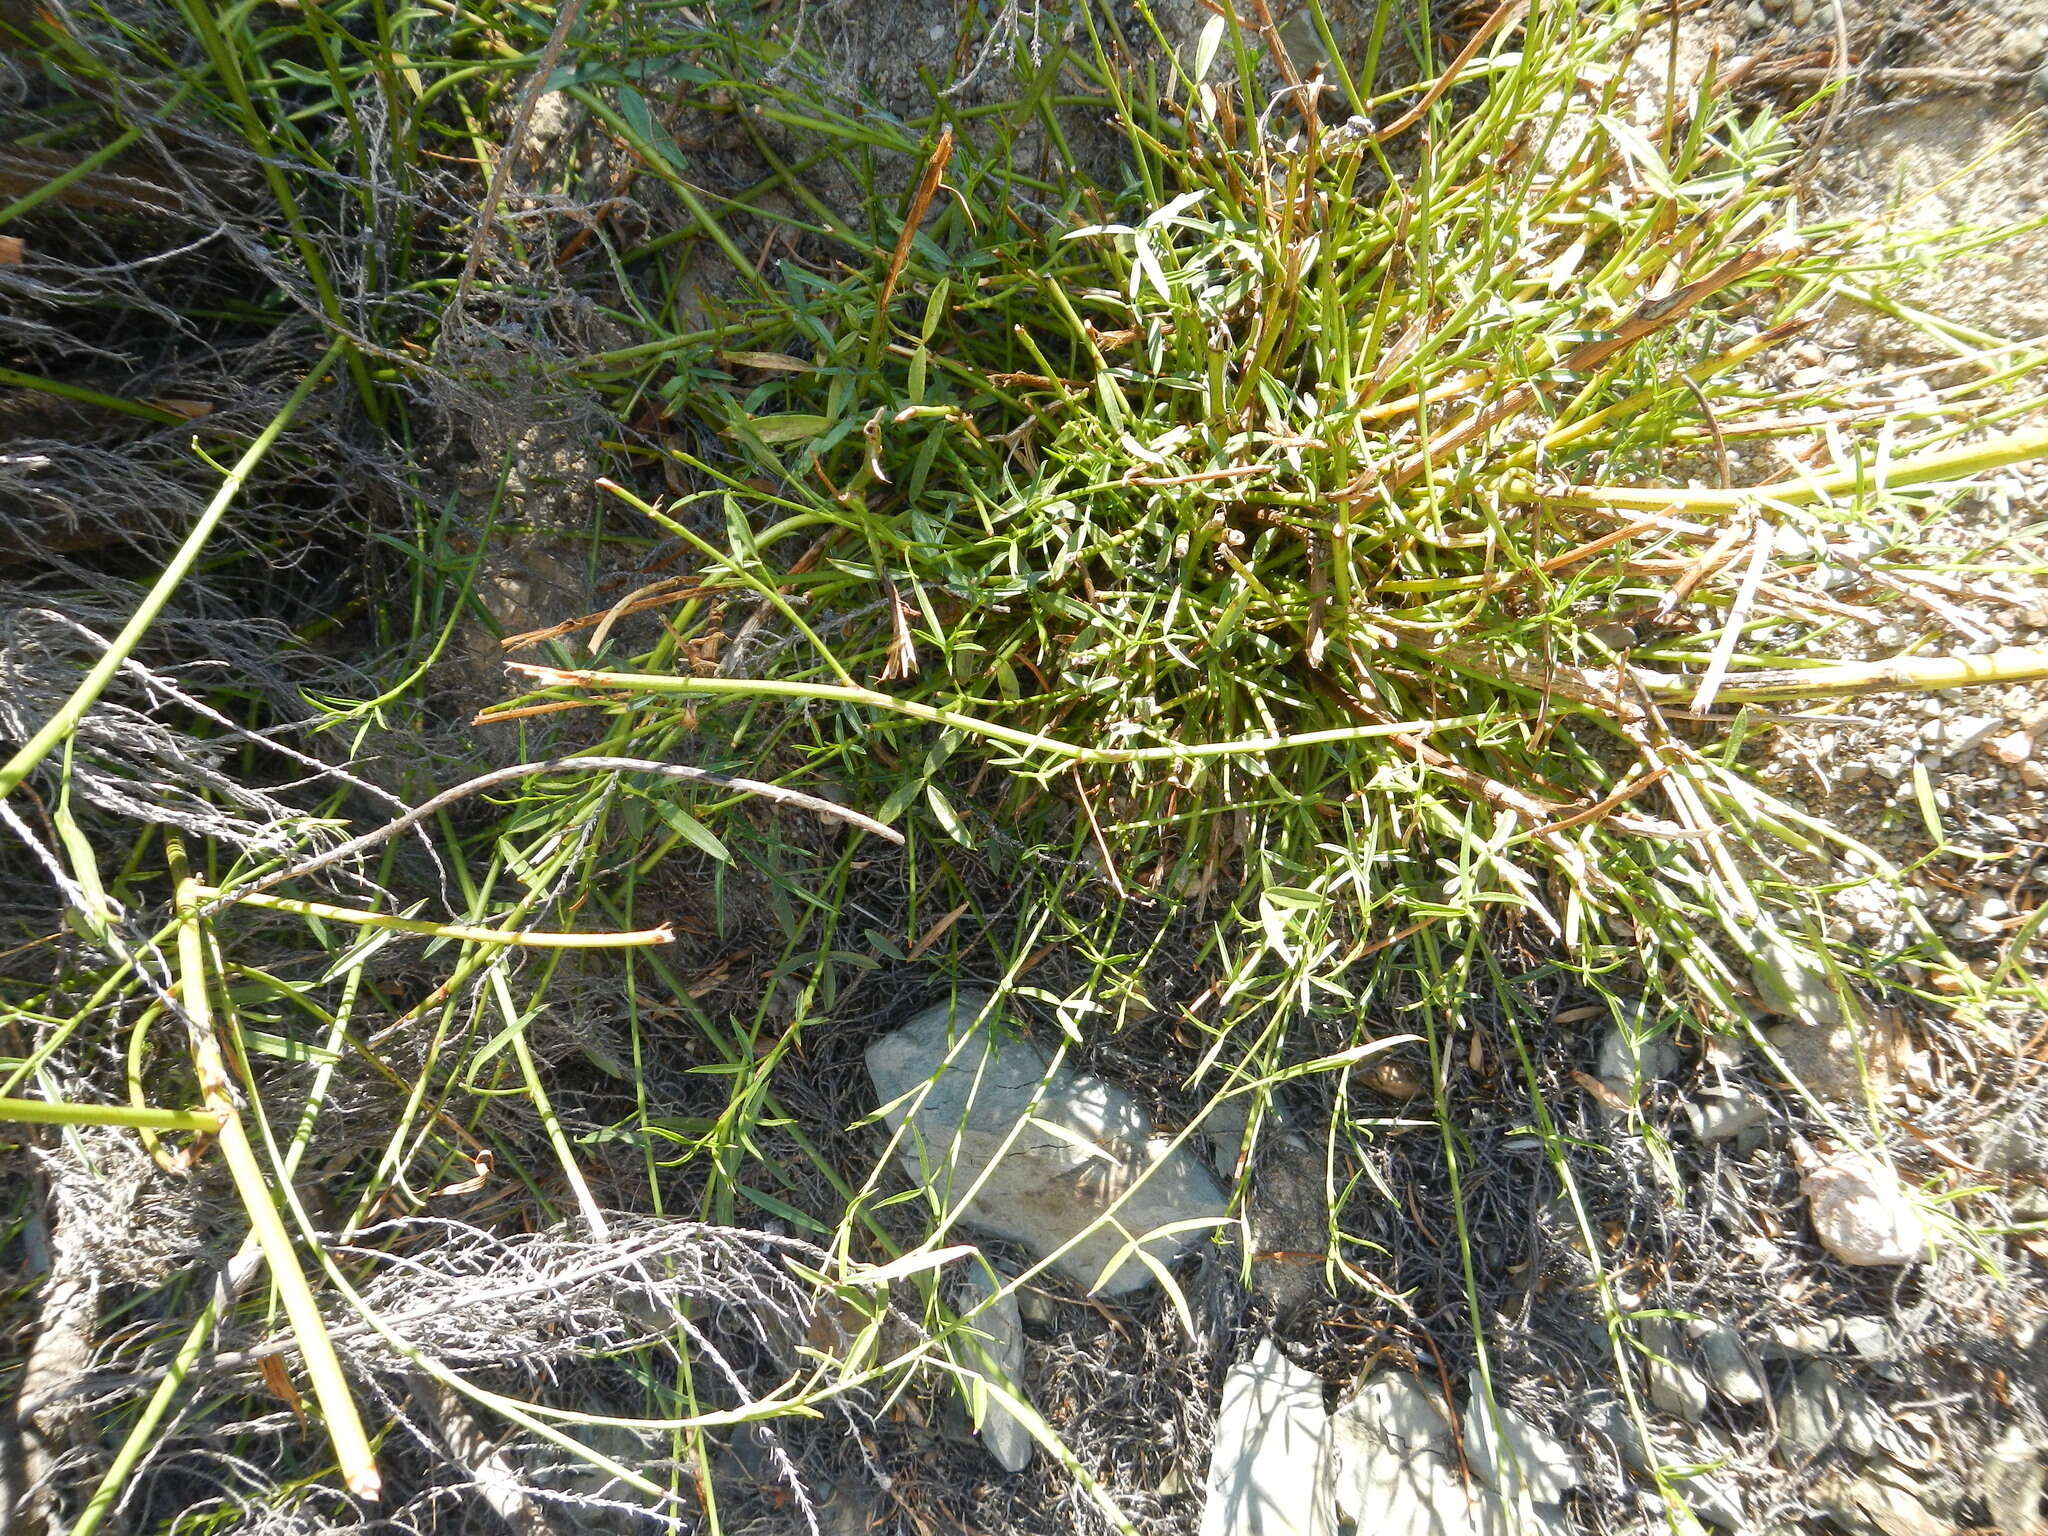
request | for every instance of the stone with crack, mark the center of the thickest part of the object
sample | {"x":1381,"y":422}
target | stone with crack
{"x":1391,"y":1443}
{"x":1396,"y":1469}
{"x":1058,"y":1160}
{"x":1269,"y":1469}
{"x":1822,"y":1408}
{"x":1877,"y":1503}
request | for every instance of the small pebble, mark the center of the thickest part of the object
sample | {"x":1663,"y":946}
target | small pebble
{"x":1757,"y":19}
{"x":1867,"y":1336}
{"x":1963,"y":732}
{"x":1730,"y":1368}
{"x":1862,"y":1214}
{"x":2022,"y":46}
{"x":1795,"y":1341}
{"x":2034,"y":774}
{"x":1675,"y":1386}
{"x":2011,"y":750}
{"x":1633,"y":1060}
{"x":1802,"y":12}
{"x":1794,"y":544}
{"x":1724,"y":1114}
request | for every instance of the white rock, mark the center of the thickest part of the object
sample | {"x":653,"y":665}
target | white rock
{"x":1963,"y":732}
{"x":1397,"y":1475}
{"x":1675,"y":1386}
{"x":1791,"y":983}
{"x":1514,"y":1457}
{"x":554,"y":114}
{"x":1000,"y":1356}
{"x":1632,"y":1058}
{"x":1730,"y":1367}
{"x":1721,"y":1114}
{"x":1269,"y":1471}
{"x":2021,"y":46}
{"x":1071,"y":1162}
{"x":1862,"y":1214}
{"x":2011,"y":749}
{"x":1391,"y":1447}
{"x":1497,"y":1517}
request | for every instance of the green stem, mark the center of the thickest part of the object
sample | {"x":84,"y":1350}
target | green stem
{"x":751,"y":687}
{"x":39,"y":1112}
{"x":10,"y":379}
{"x":466,"y":933}
{"x":1943,"y":466}
{"x":65,"y":721}
{"x":323,"y":1367}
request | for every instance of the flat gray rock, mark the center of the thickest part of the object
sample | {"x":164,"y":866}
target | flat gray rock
{"x":1397,"y":1473}
{"x":1391,"y":1444}
{"x":1269,"y":1471}
{"x":1514,"y":1457}
{"x":1497,"y":1517}
{"x":1048,"y":1157}
{"x":1001,"y":1357}
{"x":1634,"y":1059}
{"x":1730,"y":1369}
{"x":1722,"y":1114}
{"x":1870,"y":1504}
{"x":1821,"y":1408}
{"x":1716,"y":1502}
{"x":1675,"y":1386}
{"x":1790,"y":983}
